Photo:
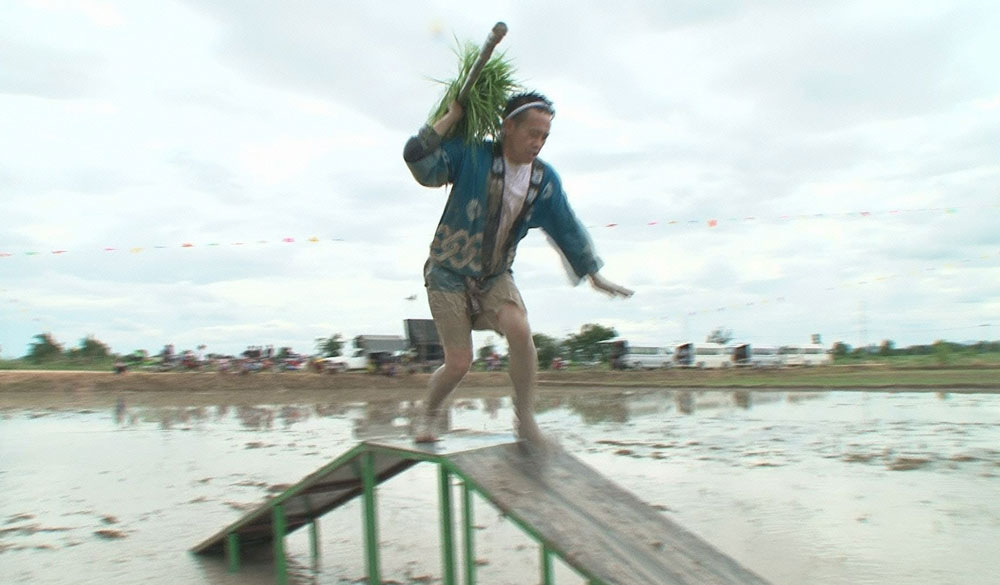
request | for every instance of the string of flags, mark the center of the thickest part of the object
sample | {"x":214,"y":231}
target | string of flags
{"x":844,"y":285}
{"x":760,"y":302}
{"x":714,"y":222}
{"x":140,"y":249}
{"x":710,"y":223}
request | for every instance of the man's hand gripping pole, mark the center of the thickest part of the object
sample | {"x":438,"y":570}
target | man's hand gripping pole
{"x":494,"y":38}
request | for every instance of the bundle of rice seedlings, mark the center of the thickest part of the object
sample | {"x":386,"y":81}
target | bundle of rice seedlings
{"x":487,"y":97}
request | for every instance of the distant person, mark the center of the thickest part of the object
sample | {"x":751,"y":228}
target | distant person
{"x":500,"y":189}
{"x":120,"y":410}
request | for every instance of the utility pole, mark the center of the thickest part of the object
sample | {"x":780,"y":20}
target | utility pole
{"x":862,"y":325}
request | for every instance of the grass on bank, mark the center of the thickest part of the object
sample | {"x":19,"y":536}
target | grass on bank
{"x":104,"y":364}
{"x":962,"y":359}
{"x":901,"y":375}
{"x":835,"y":376}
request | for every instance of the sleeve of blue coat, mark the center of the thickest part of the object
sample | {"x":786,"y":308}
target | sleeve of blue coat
{"x":566,"y":232}
{"x":432,"y":163}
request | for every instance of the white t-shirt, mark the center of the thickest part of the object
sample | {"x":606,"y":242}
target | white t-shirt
{"x":515,"y":190}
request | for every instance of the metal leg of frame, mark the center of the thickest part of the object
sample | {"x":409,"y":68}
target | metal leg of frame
{"x":546,"y":562}
{"x":370,"y":520}
{"x":280,"y":529}
{"x":447,"y":524}
{"x":314,"y":541}
{"x":470,"y":544}
{"x":233,"y":551}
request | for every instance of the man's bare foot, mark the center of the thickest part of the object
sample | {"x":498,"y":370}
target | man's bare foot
{"x":528,"y":431}
{"x":424,"y":431}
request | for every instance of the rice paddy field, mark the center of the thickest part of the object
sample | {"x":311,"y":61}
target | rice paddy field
{"x":802,"y":477}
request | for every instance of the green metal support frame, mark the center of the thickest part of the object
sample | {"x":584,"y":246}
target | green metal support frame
{"x":233,"y":551}
{"x":446,"y":471}
{"x":548,"y":550}
{"x":370,"y":524}
{"x":469,"y":535}
{"x":314,"y":542}
{"x":280,"y":562}
{"x":546,"y":562}
{"x":370,"y":519}
{"x":447,"y":527}
{"x":356,"y":474}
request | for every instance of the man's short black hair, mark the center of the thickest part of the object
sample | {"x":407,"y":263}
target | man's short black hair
{"x":530,"y":97}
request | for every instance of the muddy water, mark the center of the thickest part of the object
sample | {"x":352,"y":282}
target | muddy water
{"x":838,"y":487}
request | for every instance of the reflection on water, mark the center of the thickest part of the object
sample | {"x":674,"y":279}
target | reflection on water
{"x":387,"y":417}
{"x":812,"y":487}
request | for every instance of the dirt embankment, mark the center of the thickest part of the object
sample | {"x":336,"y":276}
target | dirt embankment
{"x":82,"y":389}
{"x":61,"y":389}
{"x":88,"y":389}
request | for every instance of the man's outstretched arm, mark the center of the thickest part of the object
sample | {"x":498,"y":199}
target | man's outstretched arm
{"x":606,"y":286}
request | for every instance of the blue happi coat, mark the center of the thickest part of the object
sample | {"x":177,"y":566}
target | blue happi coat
{"x":464,"y":245}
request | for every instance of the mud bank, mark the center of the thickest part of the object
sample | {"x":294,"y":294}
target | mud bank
{"x":55,"y":389}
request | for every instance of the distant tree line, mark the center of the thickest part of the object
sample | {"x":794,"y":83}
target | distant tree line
{"x":584,"y":346}
{"x":941,"y":350}
{"x":46,"y":349}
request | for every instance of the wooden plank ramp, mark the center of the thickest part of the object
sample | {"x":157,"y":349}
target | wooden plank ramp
{"x":339,"y":482}
{"x":606,"y":533}
{"x":596,"y":526}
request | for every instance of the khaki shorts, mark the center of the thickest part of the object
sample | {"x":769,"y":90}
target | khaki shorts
{"x":451,"y":313}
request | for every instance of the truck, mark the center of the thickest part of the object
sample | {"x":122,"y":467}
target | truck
{"x":341,"y":363}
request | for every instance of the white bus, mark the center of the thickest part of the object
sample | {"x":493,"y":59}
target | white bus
{"x":645,"y":357}
{"x":766,"y":356}
{"x":703,"y":355}
{"x":811,"y":354}
{"x":739,"y":353}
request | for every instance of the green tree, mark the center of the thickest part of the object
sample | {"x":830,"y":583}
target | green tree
{"x":942,"y":351}
{"x":330,"y":346}
{"x":547,"y":347}
{"x":586,"y":343}
{"x":720,"y":335}
{"x":840,"y":349}
{"x":90,"y":348}
{"x":886,"y":348}
{"x":45,"y":348}
{"x":487,"y":350}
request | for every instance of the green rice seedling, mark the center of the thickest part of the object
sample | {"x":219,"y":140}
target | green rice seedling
{"x":487,"y":97}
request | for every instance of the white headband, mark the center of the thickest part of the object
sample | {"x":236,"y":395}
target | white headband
{"x":524,"y":107}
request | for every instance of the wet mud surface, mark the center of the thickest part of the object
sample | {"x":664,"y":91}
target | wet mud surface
{"x":800,"y":487}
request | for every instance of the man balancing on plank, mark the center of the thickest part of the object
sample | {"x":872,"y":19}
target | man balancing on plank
{"x":500,"y":189}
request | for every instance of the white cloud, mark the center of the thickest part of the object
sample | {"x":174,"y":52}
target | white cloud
{"x":147,"y":126}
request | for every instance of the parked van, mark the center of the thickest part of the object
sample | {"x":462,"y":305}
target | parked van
{"x":647,"y":358}
{"x":702,"y":355}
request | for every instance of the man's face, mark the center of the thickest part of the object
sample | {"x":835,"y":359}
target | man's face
{"x":524,"y":138}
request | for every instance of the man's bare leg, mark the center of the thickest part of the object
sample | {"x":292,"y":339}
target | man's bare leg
{"x":523,"y":368}
{"x":444,"y":380}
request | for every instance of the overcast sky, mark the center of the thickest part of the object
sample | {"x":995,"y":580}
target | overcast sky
{"x":229,"y":173}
